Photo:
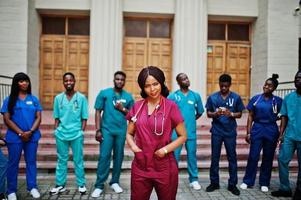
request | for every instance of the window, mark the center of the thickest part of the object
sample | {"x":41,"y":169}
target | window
{"x":216,"y":31}
{"x":159,"y":29}
{"x":53,"y":25}
{"x":78,"y":26}
{"x":135,"y":28}
{"x":239,"y":32}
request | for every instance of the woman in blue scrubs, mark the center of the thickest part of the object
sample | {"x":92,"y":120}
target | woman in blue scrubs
{"x":262,"y":134}
{"x":3,"y":168}
{"x":22,"y":116}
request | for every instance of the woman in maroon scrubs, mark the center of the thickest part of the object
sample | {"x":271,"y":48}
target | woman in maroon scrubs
{"x":151,"y":122}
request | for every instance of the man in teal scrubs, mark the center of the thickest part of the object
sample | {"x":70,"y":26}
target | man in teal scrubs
{"x":290,"y":134}
{"x":191,"y":106}
{"x":70,"y":112}
{"x":113,"y":104}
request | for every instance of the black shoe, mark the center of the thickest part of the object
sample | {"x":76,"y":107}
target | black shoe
{"x":297,"y":195}
{"x":281,"y":193}
{"x":2,"y":196}
{"x":234,"y":190}
{"x":212,"y":187}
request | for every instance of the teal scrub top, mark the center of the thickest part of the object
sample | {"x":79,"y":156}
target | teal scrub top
{"x":291,"y":107}
{"x":113,"y":121}
{"x":70,"y":113}
{"x":190,"y":105}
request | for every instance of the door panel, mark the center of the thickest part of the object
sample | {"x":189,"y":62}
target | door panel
{"x":52,"y":67}
{"x":159,"y":54}
{"x":216,"y":65}
{"x":60,"y":54}
{"x":134,"y":59}
{"x":238,"y":66}
{"x":234,"y":59}
{"x":141,"y":52}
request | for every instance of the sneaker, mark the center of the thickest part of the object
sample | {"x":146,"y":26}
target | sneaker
{"x":34,"y":192}
{"x":117,"y":189}
{"x":243,"y":186}
{"x":2,"y":196}
{"x":195,"y":185}
{"x":281,"y":193}
{"x":82,"y":189}
{"x":96,"y":193}
{"x":234,"y":190}
{"x":212,"y":187}
{"x":264,"y":189}
{"x":57,"y":189}
{"x":297,"y":195}
{"x":12,"y":196}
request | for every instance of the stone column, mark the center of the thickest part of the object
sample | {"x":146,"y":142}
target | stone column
{"x":190,"y":43}
{"x":105,"y":45}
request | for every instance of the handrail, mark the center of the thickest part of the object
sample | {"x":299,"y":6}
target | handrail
{"x":4,"y":88}
{"x":284,"y":90}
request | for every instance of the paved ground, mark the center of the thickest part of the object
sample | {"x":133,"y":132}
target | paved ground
{"x":46,"y":181}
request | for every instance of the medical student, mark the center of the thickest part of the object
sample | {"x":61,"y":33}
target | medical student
{"x":151,"y":122}
{"x":3,"y":169}
{"x":290,"y":136}
{"x":262,"y":134}
{"x":70,"y":111}
{"x":224,"y":107}
{"x":113,"y":104}
{"x":191,"y":107}
{"x":22,"y":116}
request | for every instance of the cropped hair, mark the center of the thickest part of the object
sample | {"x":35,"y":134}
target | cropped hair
{"x":158,"y":74}
{"x":120,"y":73}
{"x":225,"y":78}
{"x":69,"y":73}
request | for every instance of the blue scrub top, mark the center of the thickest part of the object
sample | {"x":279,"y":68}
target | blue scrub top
{"x":113,"y":121}
{"x":291,"y":107}
{"x":190,"y":105}
{"x":70,"y":113}
{"x":223,"y":125}
{"x":24,"y":117}
{"x":265,"y":116}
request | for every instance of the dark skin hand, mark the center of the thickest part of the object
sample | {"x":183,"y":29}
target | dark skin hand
{"x":98,"y":134}
{"x":24,"y":135}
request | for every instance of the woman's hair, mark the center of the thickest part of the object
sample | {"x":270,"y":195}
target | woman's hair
{"x":274,"y":80}
{"x":14,"y":92}
{"x":157,"y":74}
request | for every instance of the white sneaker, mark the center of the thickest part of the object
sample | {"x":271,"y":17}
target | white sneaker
{"x":264,"y":189}
{"x":96,"y":193}
{"x":243,"y":186}
{"x":34,"y":192}
{"x":195,"y":185}
{"x":12,"y":196}
{"x":116,"y":188}
{"x":82,"y":189}
{"x":57,"y":189}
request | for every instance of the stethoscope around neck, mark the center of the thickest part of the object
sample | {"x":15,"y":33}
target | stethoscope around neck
{"x":75,"y":102}
{"x":274,"y":105}
{"x":156,"y":132}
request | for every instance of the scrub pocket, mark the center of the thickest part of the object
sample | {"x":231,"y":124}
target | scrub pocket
{"x":140,"y":160}
{"x":161,"y":164}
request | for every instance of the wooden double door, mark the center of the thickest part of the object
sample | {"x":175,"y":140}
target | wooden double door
{"x":232,"y":58}
{"x":60,"y":54}
{"x":141,"y":52}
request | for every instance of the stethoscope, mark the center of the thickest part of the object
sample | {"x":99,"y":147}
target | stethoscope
{"x":156,"y":132}
{"x":230,"y":102}
{"x":274,"y":105}
{"x":75,"y":102}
